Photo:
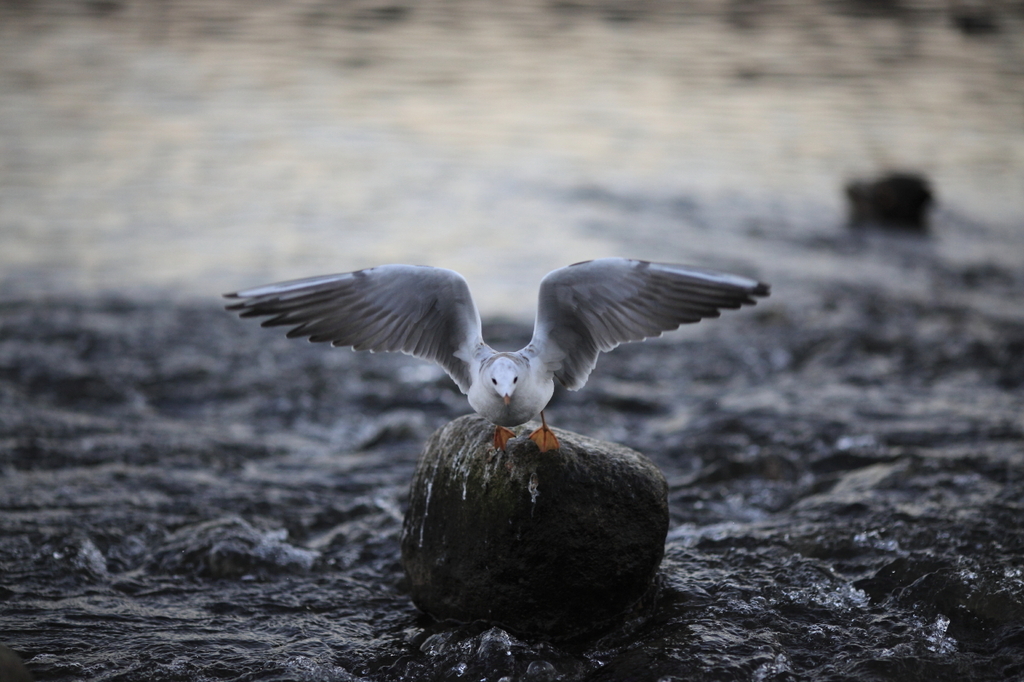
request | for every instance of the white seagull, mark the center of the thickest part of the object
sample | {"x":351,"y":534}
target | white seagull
{"x":427,"y":312}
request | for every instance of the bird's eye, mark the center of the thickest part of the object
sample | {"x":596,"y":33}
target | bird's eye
{"x":494,"y":381}
{"x":515,"y":379}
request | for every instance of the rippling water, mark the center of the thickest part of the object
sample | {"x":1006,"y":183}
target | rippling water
{"x":187,"y":497}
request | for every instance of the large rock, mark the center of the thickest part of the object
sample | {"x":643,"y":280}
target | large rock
{"x":555,"y":544}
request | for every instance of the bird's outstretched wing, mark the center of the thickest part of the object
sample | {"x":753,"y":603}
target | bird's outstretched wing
{"x":594,"y":306}
{"x":422,"y":311}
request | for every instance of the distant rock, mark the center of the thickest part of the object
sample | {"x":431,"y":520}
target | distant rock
{"x":555,"y":544}
{"x":897,"y":200}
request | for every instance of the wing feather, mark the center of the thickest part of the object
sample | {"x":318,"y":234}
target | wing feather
{"x":422,"y":311}
{"x":592,"y":307}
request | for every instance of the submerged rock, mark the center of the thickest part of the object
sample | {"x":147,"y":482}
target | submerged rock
{"x":230,"y":547}
{"x":554,"y":544}
{"x":11,"y":667}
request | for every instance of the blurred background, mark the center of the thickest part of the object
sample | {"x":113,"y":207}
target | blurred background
{"x":157,"y":148}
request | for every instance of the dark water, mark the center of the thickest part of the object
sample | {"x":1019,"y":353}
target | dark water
{"x":187,"y":497}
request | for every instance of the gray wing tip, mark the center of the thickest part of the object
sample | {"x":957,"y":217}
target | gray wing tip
{"x":246,"y":308}
{"x":761,"y":290}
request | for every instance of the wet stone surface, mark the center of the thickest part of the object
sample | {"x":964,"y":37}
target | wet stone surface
{"x":556,"y":544}
{"x":186,"y":497}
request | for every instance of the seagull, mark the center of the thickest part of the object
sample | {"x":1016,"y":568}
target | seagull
{"x":583,"y":310}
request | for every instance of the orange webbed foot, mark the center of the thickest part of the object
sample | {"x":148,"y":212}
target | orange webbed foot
{"x":544,"y":437}
{"x":501,"y":437}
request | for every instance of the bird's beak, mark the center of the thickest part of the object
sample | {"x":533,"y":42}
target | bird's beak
{"x":508,"y":399}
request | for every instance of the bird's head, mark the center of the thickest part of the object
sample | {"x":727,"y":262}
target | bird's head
{"x":503,"y":375}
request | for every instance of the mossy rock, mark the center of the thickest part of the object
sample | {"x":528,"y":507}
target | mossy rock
{"x":555,"y":544}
